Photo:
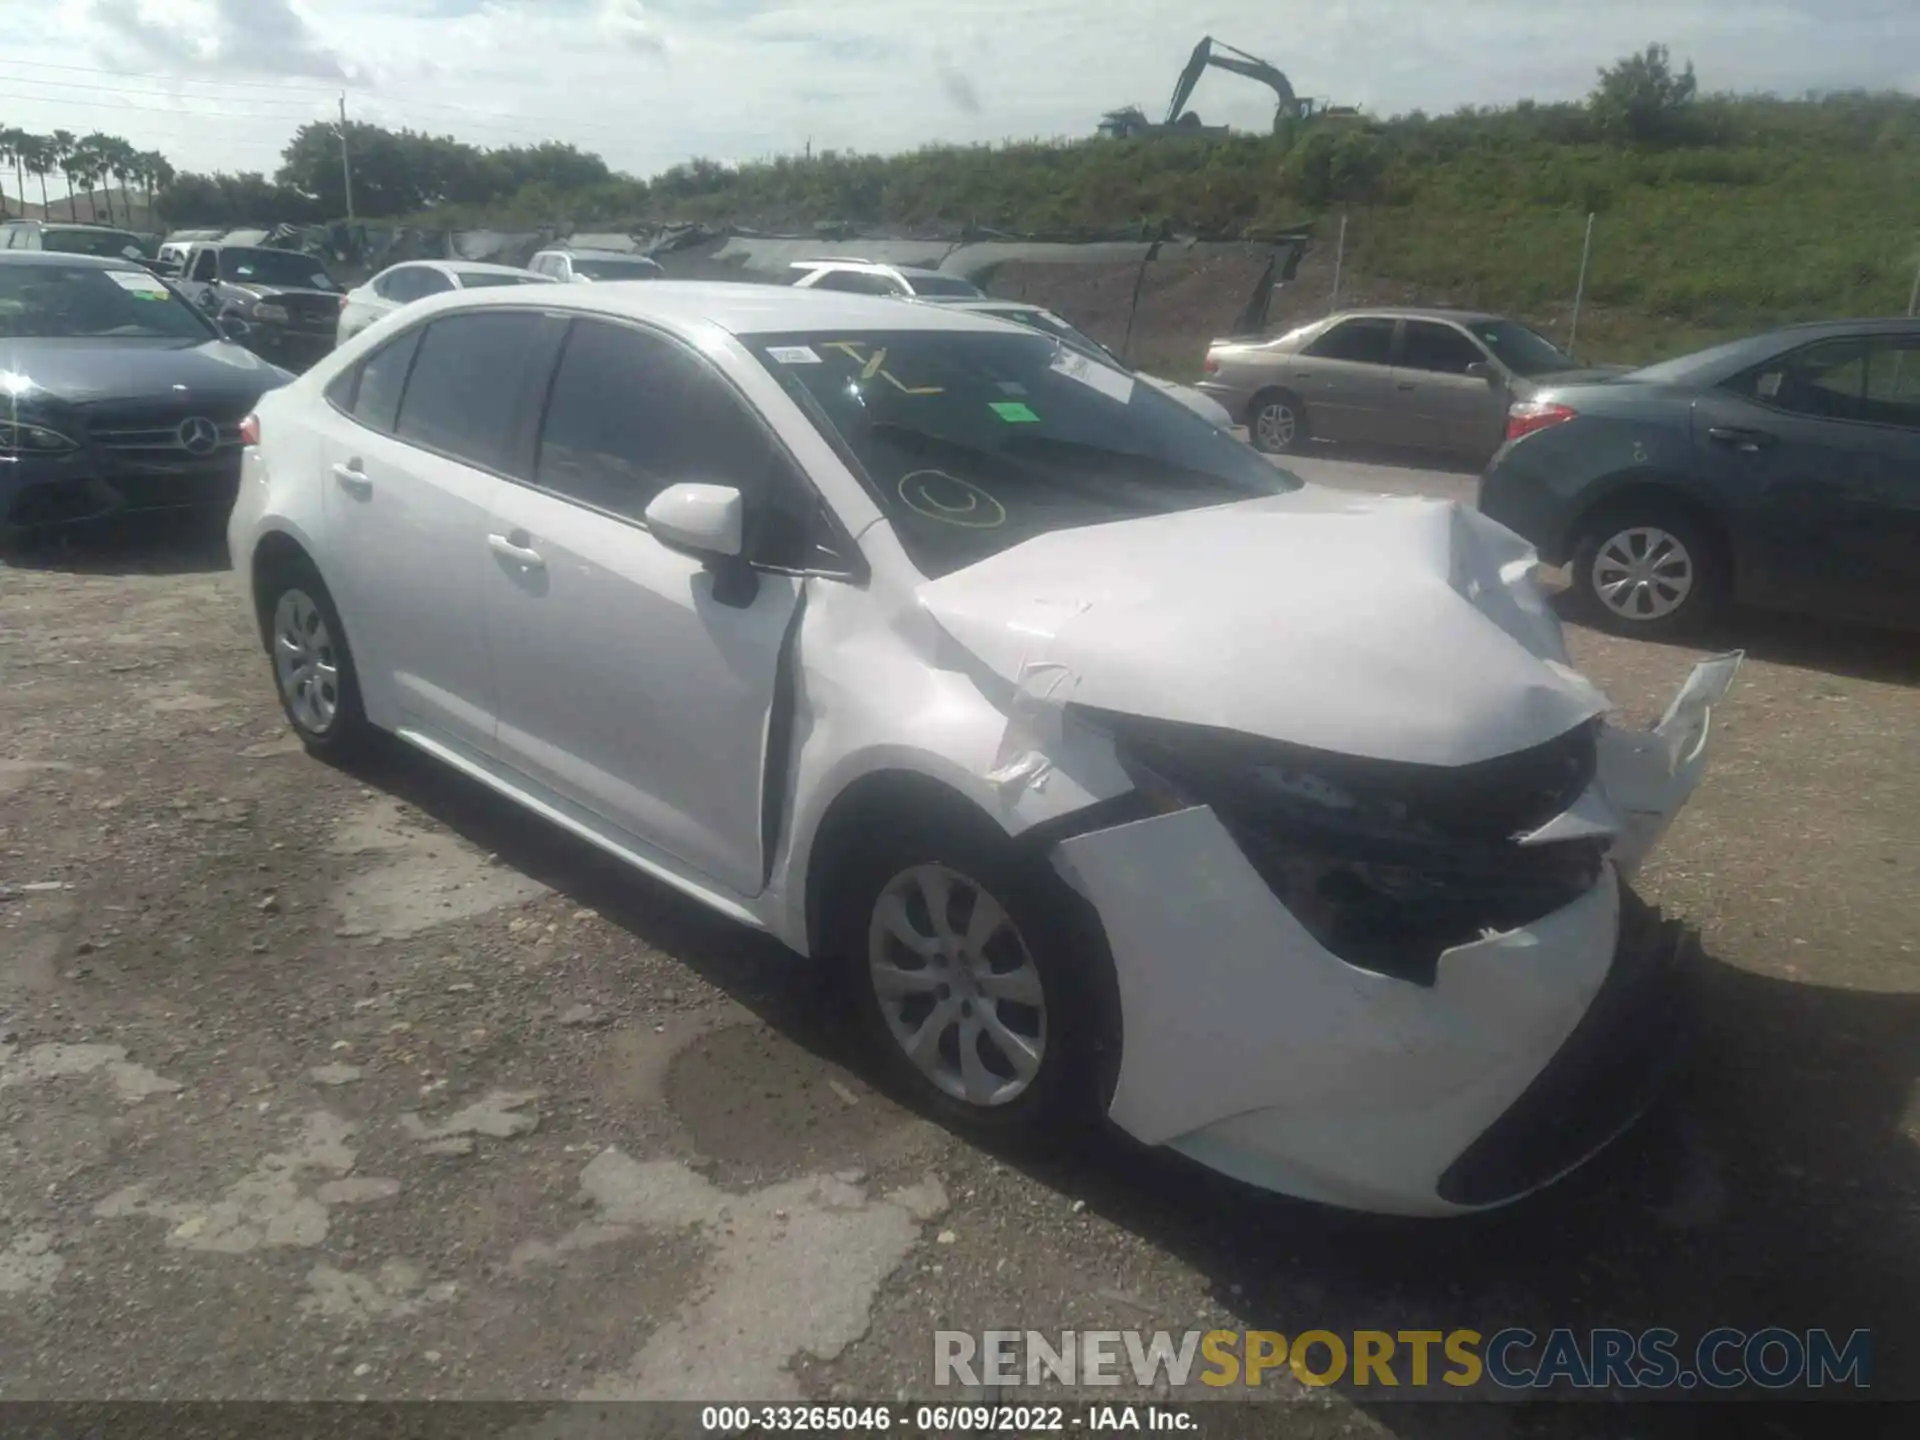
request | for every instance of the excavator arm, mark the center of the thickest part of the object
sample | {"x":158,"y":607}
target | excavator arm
{"x":1210,"y":52}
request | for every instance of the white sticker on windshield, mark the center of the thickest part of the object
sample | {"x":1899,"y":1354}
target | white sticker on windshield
{"x":1092,"y":374}
{"x":793,"y":354}
{"x":137,"y":283}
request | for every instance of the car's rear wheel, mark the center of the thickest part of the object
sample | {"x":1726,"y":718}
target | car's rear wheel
{"x":1648,"y":569}
{"x":312,"y":665}
{"x":1277,"y":422}
{"x":971,"y":977}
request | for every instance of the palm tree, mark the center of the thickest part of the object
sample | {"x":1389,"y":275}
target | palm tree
{"x":63,"y":147}
{"x":124,"y":163}
{"x":6,"y":154}
{"x":157,"y":174}
{"x":18,"y":143}
{"x":37,"y":154}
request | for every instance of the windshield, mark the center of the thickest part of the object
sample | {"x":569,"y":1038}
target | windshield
{"x":288,"y":268}
{"x":481,"y":279}
{"x":59,"y":302}
{"x":616,"y":269}
{"x":971,"y":443}
{"x":1523,"y":351}
{"x":114,"y":243}
{"x":941,"y":285}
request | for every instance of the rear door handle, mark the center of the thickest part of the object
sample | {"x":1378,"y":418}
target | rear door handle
{"x":508,"y":548}
{"x":1739,"y":437}
{"x":352,"y":477}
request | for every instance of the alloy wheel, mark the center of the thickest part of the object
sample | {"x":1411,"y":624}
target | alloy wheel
{"x":1275,"y":425}
{"x":305,"y":663}
{"x":957,"y":986}
{"x":1643,"y":573}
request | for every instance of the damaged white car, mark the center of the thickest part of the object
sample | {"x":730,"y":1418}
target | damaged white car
{"x":1113,"y":762}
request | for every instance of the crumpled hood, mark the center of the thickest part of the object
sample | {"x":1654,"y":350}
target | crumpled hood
{"x":1396,"y":629}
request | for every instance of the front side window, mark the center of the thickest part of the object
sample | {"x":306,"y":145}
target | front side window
{"x":1438,"y":348}
{"x":1364,"y":342}
{"x":74,"y":301}
{"x":206,"y":265}
{"x":972,"y":442}
{"x":632,"y":412}
{"x":465,"y":395}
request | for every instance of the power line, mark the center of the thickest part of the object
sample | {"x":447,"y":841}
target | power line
{"x":172,"y":79}
{"x":149,"y":109}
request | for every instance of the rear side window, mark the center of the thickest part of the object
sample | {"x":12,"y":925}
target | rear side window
{"x":383,"y":375}
{"x":1438,"y":348}
{"x":1366,"y":342}
{"x":1824,"y":381}
{"x":466,"y":392}
{"x":1893,"y":383}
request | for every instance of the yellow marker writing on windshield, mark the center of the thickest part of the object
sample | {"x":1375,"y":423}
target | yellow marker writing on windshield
{"x":877,"y":366}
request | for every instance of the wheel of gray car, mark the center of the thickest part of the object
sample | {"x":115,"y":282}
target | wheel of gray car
{"x":1276,"y":422}
{"x":1647,"y":570}
{"x":312,"y":666}
{"x":972,"y":975}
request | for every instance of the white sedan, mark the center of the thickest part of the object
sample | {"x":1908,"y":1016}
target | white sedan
{"x":1123,"y":773}
{"x":399,"y":285}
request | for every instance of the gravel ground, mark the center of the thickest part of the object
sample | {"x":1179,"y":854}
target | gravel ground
{"x":326,"y":1084}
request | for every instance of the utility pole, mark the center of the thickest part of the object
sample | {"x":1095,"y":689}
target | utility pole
{"x":1913,"y":297}
{"x":1580,"y":287}
{"x":346,"y":164}
{"x":1339,"y":263}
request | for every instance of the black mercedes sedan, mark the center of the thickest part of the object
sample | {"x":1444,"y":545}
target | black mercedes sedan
{"x":116,"y":395}
{"x":1781,"y":471}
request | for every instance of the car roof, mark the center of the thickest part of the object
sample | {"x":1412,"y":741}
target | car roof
{"x":61,"y":257}
{"x":1415,"y":312}
{"x":468,"y":267}
{"x":1874,"y":324}
{"x":592,"y":254}
{"x":740,"y":308}
{"x":976,"y":302}
{"x":880,"y":266}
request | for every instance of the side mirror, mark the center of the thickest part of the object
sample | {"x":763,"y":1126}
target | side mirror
{"x":1484,"y":370}
{"x":703,"y":520}
{"x":708,"y":522}
{"x":233,"y":327}
{"x":206,"y":300}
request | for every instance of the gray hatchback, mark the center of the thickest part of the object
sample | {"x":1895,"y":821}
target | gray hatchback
{"x":1435,"y":380}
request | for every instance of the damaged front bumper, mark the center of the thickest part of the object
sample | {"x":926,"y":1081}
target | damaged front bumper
{"x":1250,"y":1047}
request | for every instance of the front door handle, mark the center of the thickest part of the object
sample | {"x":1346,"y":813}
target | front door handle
{"x":1740,"y":438}
{"x":352,"y":477}
{"x":506,"y":547}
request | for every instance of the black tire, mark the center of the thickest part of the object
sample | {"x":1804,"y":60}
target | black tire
{"x":1052,"y":925}
{"x":337,"y":726}
{"x":1649,"y":528}
{"x":1285,"y":430}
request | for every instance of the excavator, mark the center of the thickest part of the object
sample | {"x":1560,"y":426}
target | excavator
{"x":1132,"y":122}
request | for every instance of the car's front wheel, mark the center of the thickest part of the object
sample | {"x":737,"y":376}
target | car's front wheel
{"x":1277,"y":422}
{"x":1648,"y":570}
{"x":972,"y":978}
{"x":312,"y":666}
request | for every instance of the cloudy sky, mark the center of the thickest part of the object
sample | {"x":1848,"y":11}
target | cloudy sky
{"x":219,"y":84}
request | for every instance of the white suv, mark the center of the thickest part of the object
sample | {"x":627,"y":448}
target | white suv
{"x":868,"y":277}
{"x":586,"y":267}
{"x":1124,"y":773}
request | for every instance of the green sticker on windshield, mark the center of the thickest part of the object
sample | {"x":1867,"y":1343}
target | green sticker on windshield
{"x":1013,"y":412}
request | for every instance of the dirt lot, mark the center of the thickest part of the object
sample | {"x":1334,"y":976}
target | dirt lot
{"x":327,"y":1084}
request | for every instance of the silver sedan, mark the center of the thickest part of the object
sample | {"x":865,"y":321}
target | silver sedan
{"x":1437,"y":380}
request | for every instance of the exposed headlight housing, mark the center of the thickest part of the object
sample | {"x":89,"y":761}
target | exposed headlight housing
{"x":18,"y":437}
{"x":1386,"y":865}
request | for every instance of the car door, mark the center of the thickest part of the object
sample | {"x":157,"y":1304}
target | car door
{"x":1888,"y":500}
{"x":201,"y":276}
{"x":1439,"y":404}
{"x":435,"y":417}
{"x":625,"y":685}
{"x":1344,"y":377}
{"x":1811,"y":483}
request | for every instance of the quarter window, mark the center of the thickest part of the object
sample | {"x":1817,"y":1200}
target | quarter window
{"x":468,"y":383}
{"x":1364,"y":341}
{"x":383,"y":375}
{"x":632,"y":413}
{"x":1438,"y":348}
